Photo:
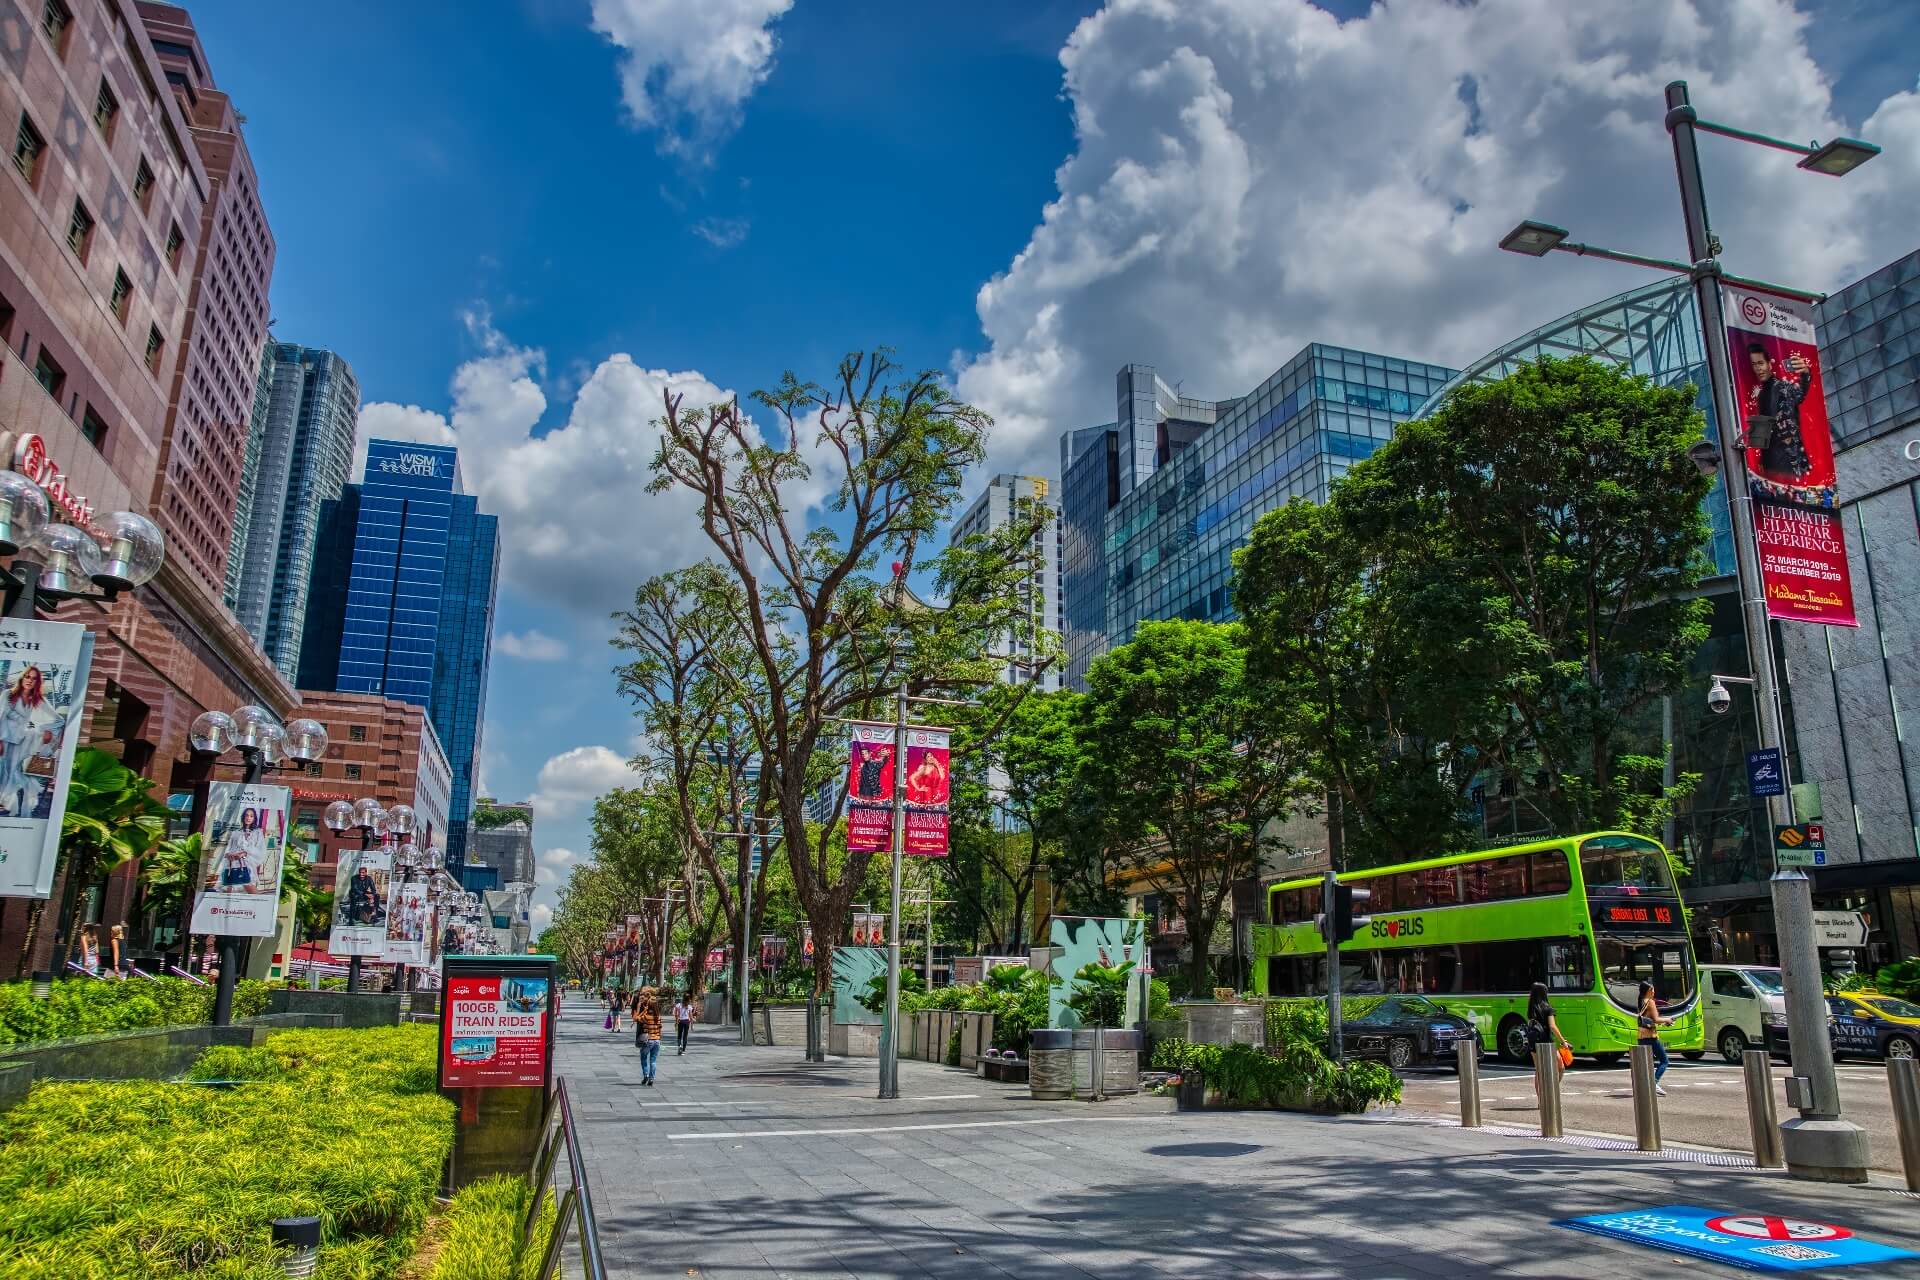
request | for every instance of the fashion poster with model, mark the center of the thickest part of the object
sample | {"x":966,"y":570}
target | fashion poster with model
{"x":408,"y":922}
{"x":239,"y":890}
{"x":360,"y":889}
{"x":42,"y":684}
{"x":870,"y":788}
{"x":1783,"y":427}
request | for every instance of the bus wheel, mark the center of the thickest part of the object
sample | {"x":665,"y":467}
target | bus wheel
{"x":1693,"y":1055}
{"x":1516,"y":1046}
{"x":1608,"y":1059}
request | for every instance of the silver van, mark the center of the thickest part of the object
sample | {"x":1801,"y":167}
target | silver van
{"x":1740,"y":1000}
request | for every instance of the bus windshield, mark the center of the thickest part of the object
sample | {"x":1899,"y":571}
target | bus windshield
{"x":1627,"y":962}
{"x":1624,"y":862}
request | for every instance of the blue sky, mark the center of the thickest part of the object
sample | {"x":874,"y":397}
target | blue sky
{"x":1024,"y":193}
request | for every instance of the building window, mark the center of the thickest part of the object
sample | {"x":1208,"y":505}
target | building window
{"x":106,"y":109}
{"x":122,"y":295}
{"x":28,"y":147}
{"x":155,"y":345}
{"x":353,"y":773}
{"x":48,"y":373}
{"x":143,"y":185}
{"x":174,"y":242}
{"x":356,"y":733}
{"x":56,"y":20}
{"x":93,"y":429}
{"x":80,"y":230}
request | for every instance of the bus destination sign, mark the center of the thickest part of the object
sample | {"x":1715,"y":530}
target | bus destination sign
{"x":1636,"y":917}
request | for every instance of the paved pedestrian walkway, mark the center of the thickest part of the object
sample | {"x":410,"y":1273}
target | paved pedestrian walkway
{"x":753,"y":1163}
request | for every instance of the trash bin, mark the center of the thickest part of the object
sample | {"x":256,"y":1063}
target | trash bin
{"x":1050,"y":1064}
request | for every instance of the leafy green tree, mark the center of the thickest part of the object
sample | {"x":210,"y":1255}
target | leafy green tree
{"x":1189,"y":764}
{"x":1559,"y":506}
{"x":828,"y":638}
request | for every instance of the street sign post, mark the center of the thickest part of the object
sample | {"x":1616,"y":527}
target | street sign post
{"x":1765,"y":776}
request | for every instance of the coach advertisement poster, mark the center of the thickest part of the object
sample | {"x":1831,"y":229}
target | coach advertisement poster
{"x":43,"y":682}
{"x":246,"y":848}
{"x":1783,"y":427}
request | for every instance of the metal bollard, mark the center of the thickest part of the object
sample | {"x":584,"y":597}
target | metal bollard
{"x":1468,"y":1053}
{"x":1546,"y":1072}
{"x":1903,"y":1077}
{"x":1757,"y":1065}
{"x":1646,"y":1103}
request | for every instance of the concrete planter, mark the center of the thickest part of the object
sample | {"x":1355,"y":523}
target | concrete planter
{"x":354,"y":1008}
{"x":976,"y":1037}
{"x":786,"y":1023}
{"x":1209,"y":1022}
{"x":1119,"y":1062}
{"x":154,"y":1053}
{"x":853,"y":1039}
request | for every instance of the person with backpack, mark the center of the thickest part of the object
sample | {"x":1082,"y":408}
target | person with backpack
{"x":646,"y":1032}
{"x":1650,"y":1024}
{"x":682,"y":1019}
{"x":1542,"y":1029}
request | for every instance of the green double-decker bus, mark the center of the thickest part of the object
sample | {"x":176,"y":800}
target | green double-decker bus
{"x":1591,"y":916}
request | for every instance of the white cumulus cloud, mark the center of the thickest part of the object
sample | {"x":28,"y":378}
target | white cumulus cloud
{"x":532,"y":645}
{"x":539,"y":918}
{"x":571,"y":781}
{"x":688,"y":66}
{"x":1253,"y":175}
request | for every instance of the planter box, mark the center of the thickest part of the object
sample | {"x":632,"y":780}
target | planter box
{"x":786,"y":1023}
{"x":355,"y":1008}
{"x":976,"y":1037}
{"x":1050,"y":1064}
{"x":1224,"y":1023}
{"x":853,"y":1039}
{"x":1119,"y":1062}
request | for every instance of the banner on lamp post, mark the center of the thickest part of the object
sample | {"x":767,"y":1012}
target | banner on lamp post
{"x":43,"y":685}
{"x":870,"y":788}
{"x":407,"y":923}
{"x":246,"y":847}
{"x":929,"y":784}
{"x":360,"y":888}
{"x":1783,"y":409}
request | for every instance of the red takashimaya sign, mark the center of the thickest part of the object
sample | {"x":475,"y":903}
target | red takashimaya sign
{"x":494,"y":1032}
{"x":30,"y":460}
{"x":1783,"y":427}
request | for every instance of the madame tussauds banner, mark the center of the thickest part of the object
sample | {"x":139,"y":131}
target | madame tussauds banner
{"x":870,"y":782}
{"x":1783,"y":411}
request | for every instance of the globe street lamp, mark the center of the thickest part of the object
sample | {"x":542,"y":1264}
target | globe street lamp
{"x":261,"y":742}
{"x":1818,"y":1143}
{"x":55,"y":562}
{"x":373,"y":823}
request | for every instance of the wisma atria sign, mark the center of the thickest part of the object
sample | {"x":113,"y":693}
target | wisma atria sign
{"x":410,"y":464}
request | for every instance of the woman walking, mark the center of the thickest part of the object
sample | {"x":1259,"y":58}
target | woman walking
{"x":682,"y":1019}
{"x":646,"y":1032}
{"x":1541,"y":1028}
{"x":1650,"y":1024}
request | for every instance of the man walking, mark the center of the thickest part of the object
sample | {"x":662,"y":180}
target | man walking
{"x":682,"y":1020}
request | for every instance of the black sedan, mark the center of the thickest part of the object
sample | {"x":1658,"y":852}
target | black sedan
{"x":1859,"y":1027}
{"x":1403,"y":1031}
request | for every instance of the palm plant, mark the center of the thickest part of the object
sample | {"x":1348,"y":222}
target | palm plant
{"x":1100,"y":994}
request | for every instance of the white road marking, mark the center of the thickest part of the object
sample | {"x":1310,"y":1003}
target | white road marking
{"x":744,"y":1102}
{"x":901,"y":1128}
{"x":942,"y":1097}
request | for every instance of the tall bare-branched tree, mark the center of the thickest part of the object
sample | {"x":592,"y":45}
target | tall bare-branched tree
{"x":831,"y":632}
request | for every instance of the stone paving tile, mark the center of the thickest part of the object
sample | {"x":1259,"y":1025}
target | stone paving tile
{"x":1123,"y":1189}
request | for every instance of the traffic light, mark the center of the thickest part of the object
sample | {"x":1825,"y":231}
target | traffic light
{"x":1336,"y":920}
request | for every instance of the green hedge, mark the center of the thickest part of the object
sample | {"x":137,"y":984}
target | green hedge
{"x":114,"y":1180}
{"x":481,"y":1239}
{"x":87,"y":1006}
{"x":1296,"y":1073}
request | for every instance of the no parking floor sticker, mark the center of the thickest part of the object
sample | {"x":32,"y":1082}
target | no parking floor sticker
{"x":1754,"y":1241}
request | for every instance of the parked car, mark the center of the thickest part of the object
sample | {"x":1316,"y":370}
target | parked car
{"x":1403,"y":1031}
{"x":1861,"y":1024}
{"x":1738,"y":1000}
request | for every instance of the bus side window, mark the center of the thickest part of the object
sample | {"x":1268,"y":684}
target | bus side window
{"x":1384,"y":899}
{"x":1442,"y":885}
{"x":1407,"y":891}
{"x":1550,"y":874}
{"x":1567,"y":967}
{"x":1506,"y":877}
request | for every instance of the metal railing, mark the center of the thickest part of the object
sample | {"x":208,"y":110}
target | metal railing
{"x":575,"y":1211}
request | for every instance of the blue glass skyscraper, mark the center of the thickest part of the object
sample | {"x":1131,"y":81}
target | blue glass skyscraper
{"x":419,"y":598}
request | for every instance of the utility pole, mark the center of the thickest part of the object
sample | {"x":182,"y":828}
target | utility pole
{"x":1817,"y":1143}
{"x":889,"y":1040}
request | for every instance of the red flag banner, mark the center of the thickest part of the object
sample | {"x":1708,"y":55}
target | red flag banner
{"x":870,"y":789}
{"x":929,"y":784}
{"x":1783,"y":427}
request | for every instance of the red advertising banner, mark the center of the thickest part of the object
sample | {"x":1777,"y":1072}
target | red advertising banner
{"x":870,"y":789}
{"x":1783,"y":406}
{"x":495,"y":1032}
{"x":929,"y":784}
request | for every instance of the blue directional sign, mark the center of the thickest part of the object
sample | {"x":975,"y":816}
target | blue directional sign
{"x":1752,"y":1241}
{"x":1766,"y":775}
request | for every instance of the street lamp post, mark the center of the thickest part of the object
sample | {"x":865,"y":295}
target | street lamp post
{"x":373,"y":823}
{"x":260,"y":741}
{"x":1818,"y":1143}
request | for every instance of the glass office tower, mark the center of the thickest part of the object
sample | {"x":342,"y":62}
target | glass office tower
{"x":418,"y":619}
